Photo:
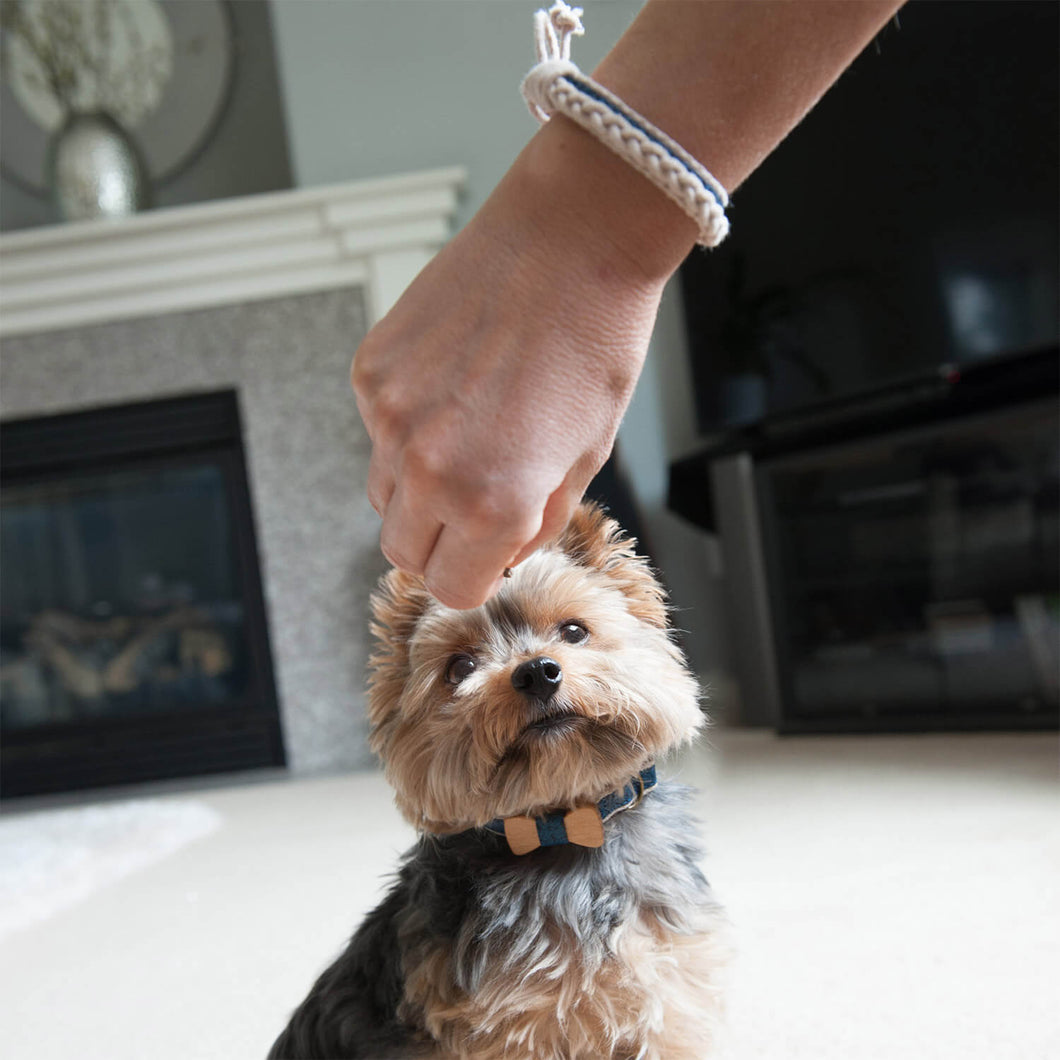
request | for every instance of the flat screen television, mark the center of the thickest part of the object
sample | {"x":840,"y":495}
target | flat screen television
{"x":910,"y":222}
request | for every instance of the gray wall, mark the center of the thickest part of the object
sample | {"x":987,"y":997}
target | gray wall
{"x":375,"y":87}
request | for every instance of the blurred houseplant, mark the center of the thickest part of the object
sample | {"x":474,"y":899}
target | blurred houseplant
{"x":89,"y":71}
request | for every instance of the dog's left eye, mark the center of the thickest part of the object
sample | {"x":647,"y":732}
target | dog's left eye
{"x":573,"y":632}
{"x":459,"y":668}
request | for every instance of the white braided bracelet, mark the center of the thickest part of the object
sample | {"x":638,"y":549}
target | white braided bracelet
{"x":556,"y":84}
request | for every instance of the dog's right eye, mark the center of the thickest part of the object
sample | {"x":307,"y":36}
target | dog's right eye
{"x":460,"y":667}
{"x":573,"y":632}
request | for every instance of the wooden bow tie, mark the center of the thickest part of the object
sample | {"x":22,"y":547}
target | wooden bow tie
{"x":584,"y":827}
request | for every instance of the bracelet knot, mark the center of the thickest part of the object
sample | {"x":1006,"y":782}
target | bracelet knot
{"x":537,"y":85}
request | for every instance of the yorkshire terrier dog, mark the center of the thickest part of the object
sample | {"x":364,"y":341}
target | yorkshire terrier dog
{"x":553,"y":907}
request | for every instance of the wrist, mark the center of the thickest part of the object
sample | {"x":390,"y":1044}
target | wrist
{"x":636,"y":233}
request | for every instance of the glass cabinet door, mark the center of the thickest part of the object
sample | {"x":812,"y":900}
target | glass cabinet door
{"x":917,"y":576}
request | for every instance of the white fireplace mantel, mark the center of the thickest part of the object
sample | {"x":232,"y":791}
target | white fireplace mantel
{"x":376,"y":234}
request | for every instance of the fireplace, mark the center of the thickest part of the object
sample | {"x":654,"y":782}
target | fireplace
{"x":180,"y":301}
{"x":133,"y":638}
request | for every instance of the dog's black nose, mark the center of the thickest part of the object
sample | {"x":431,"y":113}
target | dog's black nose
{"x":538,"y":677}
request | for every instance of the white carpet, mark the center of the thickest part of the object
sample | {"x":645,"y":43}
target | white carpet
{"x":894,"y":898}
{"x":51,"y":861}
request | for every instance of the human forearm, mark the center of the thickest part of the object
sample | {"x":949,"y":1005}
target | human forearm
{"x":729,"y":79}
{"x":492,"y":391}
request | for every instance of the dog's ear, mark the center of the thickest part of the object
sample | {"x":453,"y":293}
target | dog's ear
{"x":594,"y":540}
{"x":397,"y":606}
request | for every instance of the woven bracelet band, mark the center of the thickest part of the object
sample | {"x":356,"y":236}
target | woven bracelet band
{"x":556,"y":85}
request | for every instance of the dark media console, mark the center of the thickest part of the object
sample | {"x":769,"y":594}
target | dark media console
{"x":891,"y":559}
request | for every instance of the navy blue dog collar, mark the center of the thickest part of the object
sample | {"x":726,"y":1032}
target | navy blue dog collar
{"x":583,"y":826}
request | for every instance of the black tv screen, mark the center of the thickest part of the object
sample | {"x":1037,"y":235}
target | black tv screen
{"x":910,"y":222}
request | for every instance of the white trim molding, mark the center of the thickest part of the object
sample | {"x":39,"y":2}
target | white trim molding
{"x":376,"y":234}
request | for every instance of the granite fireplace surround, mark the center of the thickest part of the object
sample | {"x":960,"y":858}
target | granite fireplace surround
{"x":268,"y":295}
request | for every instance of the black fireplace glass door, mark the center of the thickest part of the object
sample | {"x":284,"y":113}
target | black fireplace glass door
{"x":121,"y":596}
{"x":134,"y":640}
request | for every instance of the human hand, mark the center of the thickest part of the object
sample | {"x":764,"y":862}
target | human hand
{"x":493,"y":389}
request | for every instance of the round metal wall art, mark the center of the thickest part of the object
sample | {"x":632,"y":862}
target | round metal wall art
{"x":162,"y":69}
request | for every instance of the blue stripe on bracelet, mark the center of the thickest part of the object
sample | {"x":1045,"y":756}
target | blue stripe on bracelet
{"x":590,"y":90}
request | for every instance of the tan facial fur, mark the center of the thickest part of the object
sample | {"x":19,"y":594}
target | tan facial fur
{"x":459,"y":755}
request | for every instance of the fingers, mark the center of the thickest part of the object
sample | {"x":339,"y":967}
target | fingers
{"x":463,"y":567}
{"x":561,"y":504}
{"x":557,"y":514}
{"x":466,"y":568}
{"x":409,"y":534}
{"x":380,"y":483}
{"x":461,"y":560}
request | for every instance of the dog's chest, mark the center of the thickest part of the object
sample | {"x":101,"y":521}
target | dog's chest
{"x":568,"y":967}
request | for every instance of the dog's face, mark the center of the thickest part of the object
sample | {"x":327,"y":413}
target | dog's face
{"x":551,"y":694}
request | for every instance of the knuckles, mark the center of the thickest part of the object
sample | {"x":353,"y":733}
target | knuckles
{"x":425,"y":460}
{"x":503,"y":514}
{"x":366,"y":370}
{"x":389,"y":413}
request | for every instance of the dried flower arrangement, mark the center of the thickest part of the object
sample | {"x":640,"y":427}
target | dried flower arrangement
{"x":80,"y":56}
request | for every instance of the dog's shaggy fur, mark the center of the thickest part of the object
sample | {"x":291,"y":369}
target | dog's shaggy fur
{"x":565,"y":953}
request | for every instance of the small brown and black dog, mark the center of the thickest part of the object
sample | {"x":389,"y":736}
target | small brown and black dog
{"x":553,"y":908}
